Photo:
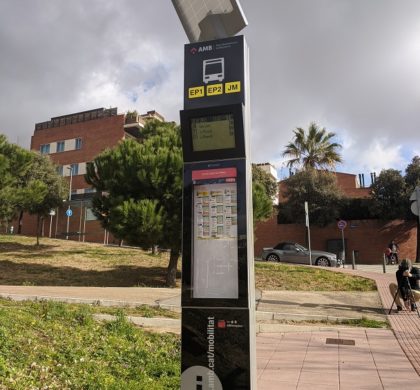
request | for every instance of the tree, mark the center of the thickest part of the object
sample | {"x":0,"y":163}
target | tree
{"x":412,"y":180}
{"x":14,"y":165}
{"x":313,"y":149}
{"x":412,"y":174}
{"x":262,"y":205}
{"x":44,"y":189}
{"x":319,"y":189}
{"x":389,"y":196}
{"x":263,"y":177}
{"x":264,"y":191}
{"x":139,"y":190}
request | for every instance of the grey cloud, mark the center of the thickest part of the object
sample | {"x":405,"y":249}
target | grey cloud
{"x":350,"y":65}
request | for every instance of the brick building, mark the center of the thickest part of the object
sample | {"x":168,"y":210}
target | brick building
{"x":71,"y":141}
{"x":367,"y":238}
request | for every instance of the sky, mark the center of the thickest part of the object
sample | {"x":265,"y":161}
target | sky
{"x":351,"y":66}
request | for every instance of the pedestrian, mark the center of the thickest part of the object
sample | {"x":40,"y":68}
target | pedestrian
{"x":394,"y":248}
{"x":408,"y":279}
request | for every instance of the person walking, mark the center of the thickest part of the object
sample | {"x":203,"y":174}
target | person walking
{"x":393,"y":250}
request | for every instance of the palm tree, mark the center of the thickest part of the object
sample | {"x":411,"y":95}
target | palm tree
{"x":313,"y":149}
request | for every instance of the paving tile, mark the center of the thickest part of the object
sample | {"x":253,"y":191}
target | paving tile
{"x":269,"y":384}
{"x":315,"y":386}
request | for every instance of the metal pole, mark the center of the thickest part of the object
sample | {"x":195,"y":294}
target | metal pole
{"x":418,"y":211}
{"x":68,"y":216}
{"x":50,"y":225}
{"x":353,"y":264}
{"x":56,"y":221}
{"x":68,"y":223}
{"x":384,"y":264}
{"x":418,"y":202}
{"x":80,"y":221}
{"x":84,"y":225}
{"x":344,"y":248}
{"x":309,"y":231}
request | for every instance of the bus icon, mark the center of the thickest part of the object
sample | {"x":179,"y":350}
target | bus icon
{"x":213,"y":70}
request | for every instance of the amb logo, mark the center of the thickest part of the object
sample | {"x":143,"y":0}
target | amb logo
{"x":201,"y":49}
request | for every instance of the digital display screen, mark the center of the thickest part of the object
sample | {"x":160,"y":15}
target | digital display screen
{"x":213,"y":132}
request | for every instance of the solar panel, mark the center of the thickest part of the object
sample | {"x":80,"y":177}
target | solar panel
{"x":205,"y":20}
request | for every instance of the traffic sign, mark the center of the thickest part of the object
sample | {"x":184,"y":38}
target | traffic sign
{"x":415,"y":198}
{"x":52,"y":212}
{"x":341,"y":224}
{"x":414,"y":194}
{"x":69,"y":212}
{"x":414,"y":208}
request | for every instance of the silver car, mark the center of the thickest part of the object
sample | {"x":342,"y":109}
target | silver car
{"x":291,"y":252}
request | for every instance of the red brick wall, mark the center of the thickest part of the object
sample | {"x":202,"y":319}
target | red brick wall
{"x":93,"y":230}
{"x":96,"y":135}
{"x":368,"y":237}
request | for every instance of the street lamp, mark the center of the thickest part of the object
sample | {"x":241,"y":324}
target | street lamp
{"x":69,"y":209}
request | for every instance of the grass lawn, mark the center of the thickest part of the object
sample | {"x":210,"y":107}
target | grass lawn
{"x":72,"y":263}
{"x":49,"y":345}
{"x":275,"y":276}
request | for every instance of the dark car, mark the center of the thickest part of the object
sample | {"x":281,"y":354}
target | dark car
{"x":292,"y":252}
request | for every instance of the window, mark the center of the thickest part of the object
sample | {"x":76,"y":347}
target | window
{"x":60,"y":170}
{"x":60,"y":146}
{"x":78,"y":143}
{"x":89,"y":215}
{"x":74,"y":169}
{"x":45,"y":149}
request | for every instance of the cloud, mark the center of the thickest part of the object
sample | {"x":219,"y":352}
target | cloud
{"x":351,"y":66}
{"x":66,"y":57}
{"x":346,"y":65}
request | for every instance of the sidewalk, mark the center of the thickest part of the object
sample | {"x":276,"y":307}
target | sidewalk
{"x":293,"y":356}
{"x":405,"y":324}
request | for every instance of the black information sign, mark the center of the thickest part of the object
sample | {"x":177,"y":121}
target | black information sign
{"x":214,"y":73}
{"x":218,"y":304}
{"x":215,"y":347}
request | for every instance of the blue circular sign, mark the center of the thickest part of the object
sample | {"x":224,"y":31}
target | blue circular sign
{"x":69,"y":212}
{"x":342,"y":224}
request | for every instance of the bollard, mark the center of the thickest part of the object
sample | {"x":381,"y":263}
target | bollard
{"x":353,"y":260}
{"x":384,"y":264}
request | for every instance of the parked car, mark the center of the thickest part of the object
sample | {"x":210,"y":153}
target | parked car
{"x":292,"y":252}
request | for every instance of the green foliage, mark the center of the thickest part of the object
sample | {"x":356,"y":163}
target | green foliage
{"x":313,"y":149}
{"x":389,"y":194}
{"x":412,"y":174}
{"x":57,"y":346}
{"x":28,"y":182}
{"x":14,"y":164}
{"x":263,"y":177}
{"x":319,"y":189}
{"x":356,"y":208}
{"x":134,"y":219}
{"x":141,"y":182}
{"x":264,"y":191}
{"x":139,"y":189}
{"x":261,"y":203}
